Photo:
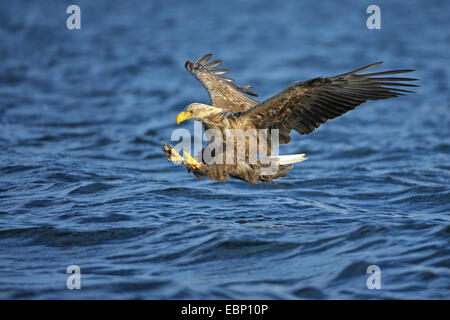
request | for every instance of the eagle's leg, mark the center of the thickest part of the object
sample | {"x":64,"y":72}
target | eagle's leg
{"x":187,"y":160}
{"x":190,"y":160}
{"x":171,"y":154}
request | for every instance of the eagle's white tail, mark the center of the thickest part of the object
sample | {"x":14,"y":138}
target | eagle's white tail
{"x":288,"y":159}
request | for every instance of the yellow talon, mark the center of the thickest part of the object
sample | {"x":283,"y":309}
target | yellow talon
{"x":190,"y":160}
{"x":175,"y":157}
{"x":172,"y":154}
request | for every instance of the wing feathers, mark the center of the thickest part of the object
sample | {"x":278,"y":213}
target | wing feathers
{"x":203,"y":58}
{"x":370,"y":66}
{"x":222,"y":91}
{"x":390,"y":72}
{"x":219,"y":71}
{"x":304,"y":106}
{"x":213,"y":64}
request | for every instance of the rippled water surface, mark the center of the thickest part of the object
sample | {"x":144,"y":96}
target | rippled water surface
{"x":83,"y":180}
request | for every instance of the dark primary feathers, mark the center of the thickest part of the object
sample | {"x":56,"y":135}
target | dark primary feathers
{"x":222,"y":91}
{"x":304,"y":106}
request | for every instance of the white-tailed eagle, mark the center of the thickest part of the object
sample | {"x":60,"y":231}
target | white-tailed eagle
{"x":302,"y":107}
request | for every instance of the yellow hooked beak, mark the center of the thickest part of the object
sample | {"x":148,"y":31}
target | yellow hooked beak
{"x":183,"y":115}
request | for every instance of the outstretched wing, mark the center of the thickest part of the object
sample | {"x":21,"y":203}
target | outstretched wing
{"x":222,"y":91}
{"x":304,"y":106}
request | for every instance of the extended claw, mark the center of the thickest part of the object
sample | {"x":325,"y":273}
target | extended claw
{"x":175,"y":157}
{"x":171,"y":154}
{"x":190,"y":160}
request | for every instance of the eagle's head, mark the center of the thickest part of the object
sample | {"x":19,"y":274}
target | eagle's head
{"x":198,"y":111}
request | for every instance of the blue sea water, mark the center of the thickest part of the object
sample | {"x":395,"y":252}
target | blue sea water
{"x":83,"y":180}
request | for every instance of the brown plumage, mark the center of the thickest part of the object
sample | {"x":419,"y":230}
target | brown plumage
{"x":302,"y":107}
{"x":223,"y":92}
